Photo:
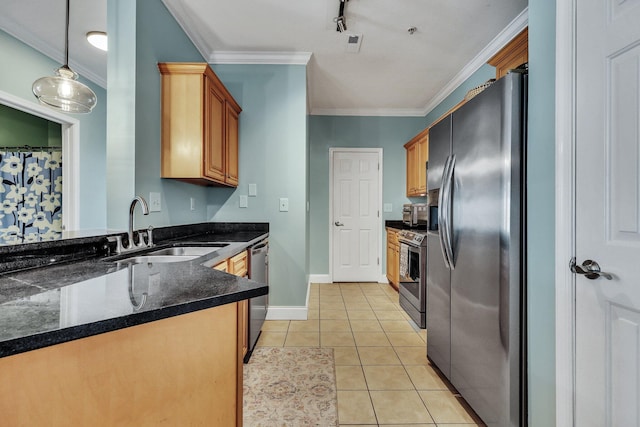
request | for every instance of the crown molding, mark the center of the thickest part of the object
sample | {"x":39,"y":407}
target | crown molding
{"x":272,"y":58}
{"x":21,"y":34}
{"x":188,"y":24}
{"x":369,"y":112}
{"x":518,"y":24}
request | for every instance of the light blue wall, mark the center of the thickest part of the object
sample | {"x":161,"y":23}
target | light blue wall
{"x":388,"y":133}
{"x":541,"y":211}
{"x":21,"y":66}
{"x":273,"y":155}
{"x":121,"y":118}
{"x":160,"y":39}
{"x":134,"y":140}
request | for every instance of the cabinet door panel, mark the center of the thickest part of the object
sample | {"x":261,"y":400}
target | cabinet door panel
{"x":214,"y":148}
{"x":232,"y":145}
{"x":411,"y":170}
{"x":423,"y":156}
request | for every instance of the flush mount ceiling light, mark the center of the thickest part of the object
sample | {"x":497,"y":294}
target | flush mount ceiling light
{"x":63,"y":91}
{"x":98,"y":39}
{"x":340,"y":20}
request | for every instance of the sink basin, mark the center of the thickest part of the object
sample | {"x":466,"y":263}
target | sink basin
{"x":185,"y":251}
{"x":147,"y":259}
{"x":173,"y":254}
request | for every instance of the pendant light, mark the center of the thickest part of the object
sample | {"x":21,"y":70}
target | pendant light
{"x":63,"y":91}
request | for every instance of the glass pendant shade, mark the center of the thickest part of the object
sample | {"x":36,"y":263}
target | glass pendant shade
{"x":64,"y":92}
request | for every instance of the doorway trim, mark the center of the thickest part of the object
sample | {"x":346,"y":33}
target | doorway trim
{"x":565,"y":199}
{"x":70,"y":155}
{"x":332,"y":151}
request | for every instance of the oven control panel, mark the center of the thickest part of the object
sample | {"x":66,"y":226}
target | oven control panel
{"x":412,"y":237}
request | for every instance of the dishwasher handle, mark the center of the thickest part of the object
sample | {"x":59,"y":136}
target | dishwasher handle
{"x":258,"y":246}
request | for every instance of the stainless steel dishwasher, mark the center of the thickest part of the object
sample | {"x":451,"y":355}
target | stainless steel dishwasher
{"x":259,"y":272}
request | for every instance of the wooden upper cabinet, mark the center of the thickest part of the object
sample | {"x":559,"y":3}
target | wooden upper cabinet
{"x":417,"y":157}
{"x":515,"y":53}
{"x":214,"y":135}
{"x":199,"y":126}
{"x":231,"y":163}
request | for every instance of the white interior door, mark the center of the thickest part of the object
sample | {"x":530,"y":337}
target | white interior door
{"x":355,"y":226}
{"x":607,"y":352}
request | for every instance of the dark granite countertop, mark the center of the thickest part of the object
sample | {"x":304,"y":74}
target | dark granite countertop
{"x":399,"y":225}
{"x":76,"y":296}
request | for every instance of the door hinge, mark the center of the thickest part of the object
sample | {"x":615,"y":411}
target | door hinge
{"x":378,"y":166}
{"x":378,"y":213}
{"x":378,"y":260}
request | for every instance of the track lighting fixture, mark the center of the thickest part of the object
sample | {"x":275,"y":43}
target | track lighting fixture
{"x":340,"y":20}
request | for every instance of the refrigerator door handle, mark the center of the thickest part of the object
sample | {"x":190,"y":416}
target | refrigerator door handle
{"x":442,"y":213}
{"x":448,"y":241}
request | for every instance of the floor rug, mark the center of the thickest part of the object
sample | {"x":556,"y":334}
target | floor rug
{"x":292,"y":386}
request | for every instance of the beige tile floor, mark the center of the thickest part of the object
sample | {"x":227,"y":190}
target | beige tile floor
{"x":382,"y":373}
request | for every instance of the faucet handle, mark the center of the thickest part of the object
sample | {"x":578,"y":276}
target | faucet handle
{"x":118,"y":240}
{"x":150,"y":236}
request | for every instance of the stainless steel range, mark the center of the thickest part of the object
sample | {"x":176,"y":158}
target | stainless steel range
{"x":413,"y":275}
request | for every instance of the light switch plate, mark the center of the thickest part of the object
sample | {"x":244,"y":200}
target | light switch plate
{"x":253,"y":190}
{"x":244,"y":202}
{"x":388,"y":207}
{"x":284,"y":204}
{"x":155,"y":202}
{"x":192,"y":204}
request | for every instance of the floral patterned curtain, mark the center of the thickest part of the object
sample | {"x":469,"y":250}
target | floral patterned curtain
{"x":31,"y":195}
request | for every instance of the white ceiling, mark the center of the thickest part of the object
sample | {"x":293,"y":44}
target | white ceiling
{"x":395,"y":73}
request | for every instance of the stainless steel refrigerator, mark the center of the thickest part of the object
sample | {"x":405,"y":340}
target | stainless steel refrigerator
{"x":475,"y":264}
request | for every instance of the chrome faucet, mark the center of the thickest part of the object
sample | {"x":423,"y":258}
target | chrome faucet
{"x":131,"y":245}
{"x":145,"y":211}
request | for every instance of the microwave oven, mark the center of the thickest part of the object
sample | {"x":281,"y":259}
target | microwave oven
{"x":415,"y":214}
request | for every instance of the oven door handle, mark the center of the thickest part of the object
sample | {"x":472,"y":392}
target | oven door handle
{"x":441,"y":213}
{"x":448,"y":212}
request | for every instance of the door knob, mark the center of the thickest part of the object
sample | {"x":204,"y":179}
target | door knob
{"x":339,"y":224}
{"x":589,"y":268}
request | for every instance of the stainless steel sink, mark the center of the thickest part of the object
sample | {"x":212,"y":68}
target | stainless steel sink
{"x":172,"y":254}
{"x":146,"y":259}
{"x":185,"y":251}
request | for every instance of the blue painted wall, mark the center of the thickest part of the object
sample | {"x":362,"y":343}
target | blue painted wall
{"x":136,"y":132}
{"x":272,"y":155}
{"x":388,"y":133}
{"x":541,"y":214}
{"x":21,"y":66}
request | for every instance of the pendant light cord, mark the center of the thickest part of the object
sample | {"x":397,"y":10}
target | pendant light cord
{"x":66,"y":39}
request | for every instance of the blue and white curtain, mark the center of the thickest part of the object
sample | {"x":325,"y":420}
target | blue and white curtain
{"x":31,"y":195}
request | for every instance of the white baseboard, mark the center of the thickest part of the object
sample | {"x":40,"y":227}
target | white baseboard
{"x":287,"y":313}
{"x":320,"y":278}
{"x":326,"y":278}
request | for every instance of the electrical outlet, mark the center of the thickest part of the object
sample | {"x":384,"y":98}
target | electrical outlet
{"x":388,"y":207}
{"x":192,"y":204}
{"x":253,"y":190}
{"x":284,"y":204}
{"x":155,"y":202}
{"x":244,"y":202}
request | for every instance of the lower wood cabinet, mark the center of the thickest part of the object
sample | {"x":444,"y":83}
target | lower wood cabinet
{"x":183,"y":370}
{"x":239,"y":265}
{"x":393,"y":258}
